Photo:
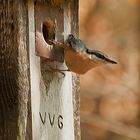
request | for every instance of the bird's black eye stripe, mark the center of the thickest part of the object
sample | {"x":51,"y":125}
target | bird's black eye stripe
{"x":100,"y":55}
{"x":97,"y":53}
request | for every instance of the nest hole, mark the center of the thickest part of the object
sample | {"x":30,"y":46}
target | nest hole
{"x":48,"y":30}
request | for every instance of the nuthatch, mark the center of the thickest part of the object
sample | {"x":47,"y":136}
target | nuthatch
{"x":79,"y":58}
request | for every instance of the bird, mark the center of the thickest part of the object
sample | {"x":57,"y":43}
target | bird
{"x":80,"y":59}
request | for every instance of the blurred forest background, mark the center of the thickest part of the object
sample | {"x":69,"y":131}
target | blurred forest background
{"x":110,"y":95}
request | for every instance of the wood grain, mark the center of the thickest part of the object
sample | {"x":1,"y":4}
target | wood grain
{"x":14,"y":66}
{"x":76,"y":77}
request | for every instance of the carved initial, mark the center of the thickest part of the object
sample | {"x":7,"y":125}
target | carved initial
{"x":42,"y":120}
{"x":51,"y":120}
{"x":60,"y":123}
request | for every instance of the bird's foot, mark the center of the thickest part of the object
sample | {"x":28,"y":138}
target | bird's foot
{"x":57,"y":43}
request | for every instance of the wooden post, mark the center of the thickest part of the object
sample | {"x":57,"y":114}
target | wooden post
{"x":14,"y":69}
{"x":35,"y":102}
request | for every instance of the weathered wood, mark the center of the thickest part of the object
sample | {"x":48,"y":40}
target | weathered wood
{"x":49,"y":24}
{"x":52,"y":2}
{"x":51,"y":111}
{"x":76,"y":105}
{"x":76,"y":77}
{"x":52,"y":93}
{"x":14,"y":69}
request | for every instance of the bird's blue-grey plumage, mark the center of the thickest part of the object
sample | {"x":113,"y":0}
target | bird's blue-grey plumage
{"x":76,"y":44}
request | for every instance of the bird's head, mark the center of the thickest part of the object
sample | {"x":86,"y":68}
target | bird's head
{"x":99,"y":58}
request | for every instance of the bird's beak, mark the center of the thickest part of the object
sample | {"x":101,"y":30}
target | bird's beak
{"x":111,"y":61}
